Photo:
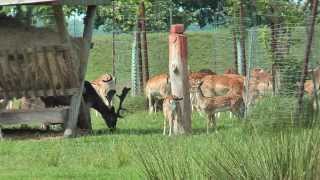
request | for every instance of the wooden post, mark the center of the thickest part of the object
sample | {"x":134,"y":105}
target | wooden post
{"x":76,"y":99}
{"x":84,"y":116}
{"x":142,"y":20}
{"x":178,"y":71}
{"x":242,"y":40}
{"x":307,"y":56}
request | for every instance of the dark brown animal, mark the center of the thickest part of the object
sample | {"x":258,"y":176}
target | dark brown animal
{"x":93,"y":100}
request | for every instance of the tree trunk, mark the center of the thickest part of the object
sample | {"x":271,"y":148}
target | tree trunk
{"x":145,"y":68}
{"x":307,"y":56}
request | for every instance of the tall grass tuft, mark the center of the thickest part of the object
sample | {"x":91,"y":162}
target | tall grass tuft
{"x":292,"y":154}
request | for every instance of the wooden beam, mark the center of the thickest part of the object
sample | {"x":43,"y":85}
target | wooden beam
{"x":33,"y":93}
{"x":76,"y":99}
{"x":50,"y":115}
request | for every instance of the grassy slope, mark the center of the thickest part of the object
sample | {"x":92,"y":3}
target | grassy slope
{"x":113,"y":156}
{"x":104,"y":155}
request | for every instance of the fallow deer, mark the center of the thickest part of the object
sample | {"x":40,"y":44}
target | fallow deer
{"x":195,"y":76}
{"x":171,"y":112}
{"x":313,"y":89}
{"x":157,"y":88}
{"x":103,"y":84}
{"x":219,"y":85}
{"x":93,"y":100}
{"x":208,"y":106}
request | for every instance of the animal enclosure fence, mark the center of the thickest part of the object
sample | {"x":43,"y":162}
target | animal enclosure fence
{"x":278,"y":50}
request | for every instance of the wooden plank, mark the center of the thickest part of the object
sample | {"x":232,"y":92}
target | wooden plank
{"x":49,"y":115}
{"x":76,"y":99}
{"x":59,"y":73}
{"x":52,"y":80}
{"x":2,"y":79}
{"x":19,"y":58}
{"x":10,"y":75}
{"x":41,"y":92}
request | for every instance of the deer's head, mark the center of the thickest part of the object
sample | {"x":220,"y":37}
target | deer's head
{"x":111,"y":115}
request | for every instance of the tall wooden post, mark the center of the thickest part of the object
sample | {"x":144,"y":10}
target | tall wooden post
{"x":142,"y":20}
{"x":307,"y":55}
{"x":178,"y":71}
{"x":73,"y":114}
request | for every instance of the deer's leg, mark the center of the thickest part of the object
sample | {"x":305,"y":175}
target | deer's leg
{"x":214,"y":124}
{"x":208,"y":123}
{"x":1,"y":133}
{"x":164,"y":126}
{"x":170,"y":127}
{"x":155,"y":105}
{"x":150,"y":105}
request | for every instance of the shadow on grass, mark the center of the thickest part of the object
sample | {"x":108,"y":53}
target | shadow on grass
{"x":154,"y":131}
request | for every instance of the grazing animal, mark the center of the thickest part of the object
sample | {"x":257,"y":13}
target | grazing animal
{"x":171,"y":112}
{"x":93,"y":100}
{"x":219,"y":85}
{"x":208,"y":106}
{"x":157,"y":88}
{"x":260,"y":84}
{"x":103,"y":84}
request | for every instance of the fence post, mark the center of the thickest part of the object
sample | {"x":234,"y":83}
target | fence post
{"x":307,"y":55}
{"x":134,"y":68}
{"x":178,"y":71}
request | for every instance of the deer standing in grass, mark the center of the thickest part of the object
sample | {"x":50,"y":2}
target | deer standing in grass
{"x":208,"y":106}
{"x":157,"y":88}
{"x":171,"y":112}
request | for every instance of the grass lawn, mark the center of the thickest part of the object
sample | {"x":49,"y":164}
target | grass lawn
{"x":138,"y":150}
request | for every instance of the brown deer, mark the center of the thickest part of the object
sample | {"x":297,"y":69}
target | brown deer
{"x":208,"y":106}
{"x":195,"y":76}
{"x":103,"y":84}
{"x":313,"y":89}
{"x":93,"y":100}
{"x":157,"y":88}
{"x":171,"y":112}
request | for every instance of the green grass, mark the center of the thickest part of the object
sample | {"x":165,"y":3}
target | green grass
{"x":138,"y":150}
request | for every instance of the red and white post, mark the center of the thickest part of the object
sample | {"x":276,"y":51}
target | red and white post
{"x":178,"y":72}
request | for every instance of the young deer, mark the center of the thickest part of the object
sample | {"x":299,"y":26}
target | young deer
{"x":171,"y":112}
{"x":208,"y":106}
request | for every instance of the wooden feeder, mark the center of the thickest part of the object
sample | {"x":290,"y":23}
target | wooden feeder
{"x":43,"y":69}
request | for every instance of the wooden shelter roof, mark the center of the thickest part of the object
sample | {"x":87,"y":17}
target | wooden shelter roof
{"x":55,"y":2}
